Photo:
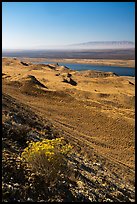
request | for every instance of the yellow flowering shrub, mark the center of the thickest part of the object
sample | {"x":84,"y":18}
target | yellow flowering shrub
{"x":47,"y":158}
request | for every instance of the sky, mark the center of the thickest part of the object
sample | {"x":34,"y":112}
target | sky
{"x":38,"y":25}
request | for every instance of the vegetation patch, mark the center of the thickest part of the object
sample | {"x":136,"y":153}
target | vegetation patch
{"x":48,"y":158}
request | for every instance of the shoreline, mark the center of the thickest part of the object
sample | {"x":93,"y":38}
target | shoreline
{"x":100,"y":62}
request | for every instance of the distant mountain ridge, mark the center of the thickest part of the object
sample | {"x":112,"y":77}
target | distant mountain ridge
{"x":104,"y":45}
{"x":77,"y":46}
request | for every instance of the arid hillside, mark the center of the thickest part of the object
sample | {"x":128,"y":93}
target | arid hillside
{"x":94,"y":112}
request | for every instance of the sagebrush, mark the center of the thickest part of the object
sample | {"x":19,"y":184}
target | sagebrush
{"x":47,"y":158}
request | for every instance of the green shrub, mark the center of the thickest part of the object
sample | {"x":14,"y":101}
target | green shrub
{"x":47,"y":158}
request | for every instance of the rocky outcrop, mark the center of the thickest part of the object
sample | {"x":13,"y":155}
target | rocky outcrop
{"x":67,"y":79}
{"x":24,"y":63}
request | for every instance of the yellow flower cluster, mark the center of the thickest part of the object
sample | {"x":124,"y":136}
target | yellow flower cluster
{"x":46,"y":148}
{"x":47,"y":158}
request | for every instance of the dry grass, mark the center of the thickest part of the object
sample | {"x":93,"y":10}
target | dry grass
{"x":98,"y":112}
{"x":96,"y":116}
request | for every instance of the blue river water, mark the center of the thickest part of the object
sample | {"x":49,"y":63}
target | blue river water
{"x":121,"y":71}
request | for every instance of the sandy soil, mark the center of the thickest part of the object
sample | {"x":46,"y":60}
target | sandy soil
{"x":104,"y":62}
{"x":97,"y":111}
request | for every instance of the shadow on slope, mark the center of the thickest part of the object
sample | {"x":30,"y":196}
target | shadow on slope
{"x":20,"y":125}
{"x":32,"y":86}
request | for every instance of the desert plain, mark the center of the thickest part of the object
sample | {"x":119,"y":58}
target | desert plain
{"x":94,"y":111}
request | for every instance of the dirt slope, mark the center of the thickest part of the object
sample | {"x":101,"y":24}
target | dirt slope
{"x":96,"y":116}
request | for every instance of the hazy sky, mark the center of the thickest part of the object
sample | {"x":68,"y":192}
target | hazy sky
{"x":41,"y":24}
